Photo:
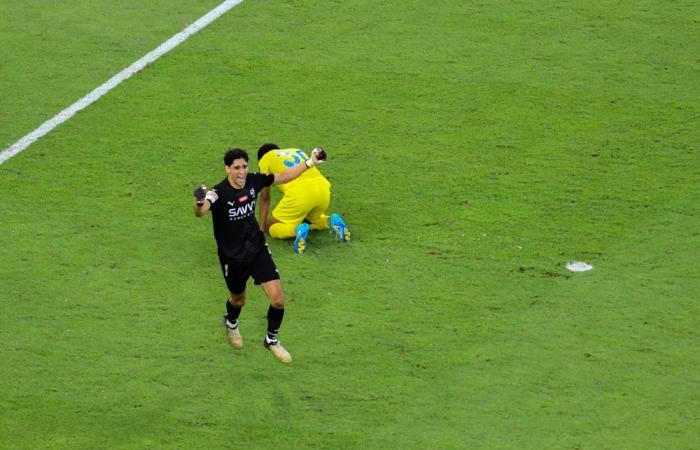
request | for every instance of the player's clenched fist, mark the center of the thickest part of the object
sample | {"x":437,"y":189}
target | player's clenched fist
{"x":318,"y":156}
{"x":200,"y":192}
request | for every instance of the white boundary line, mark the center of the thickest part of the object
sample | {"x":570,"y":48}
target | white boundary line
{"x":113,"y":82}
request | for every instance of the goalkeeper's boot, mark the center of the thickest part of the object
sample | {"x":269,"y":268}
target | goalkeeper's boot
{"x":301,"y":232}
{"x":233,"y":334}
{"x":280,"y":353}
{"x":339,"y":228}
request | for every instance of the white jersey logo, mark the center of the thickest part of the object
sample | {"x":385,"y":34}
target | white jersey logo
{"x":241,"y":212}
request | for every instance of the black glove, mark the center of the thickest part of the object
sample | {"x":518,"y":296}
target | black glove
{"x":320,"y":154}
{"x":200,"y":193}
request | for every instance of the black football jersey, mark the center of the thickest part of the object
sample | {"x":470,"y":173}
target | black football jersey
{"x":236,"y":230}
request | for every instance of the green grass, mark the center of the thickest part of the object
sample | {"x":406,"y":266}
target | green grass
{"x":54,"y":53}
{"x":473,"y":148}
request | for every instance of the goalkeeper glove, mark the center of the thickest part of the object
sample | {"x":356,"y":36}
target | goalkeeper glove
{"x":318,"y":156}
{"x":200,"y":193}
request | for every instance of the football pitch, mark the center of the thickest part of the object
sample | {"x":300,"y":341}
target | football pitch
{"x":474,"y":149}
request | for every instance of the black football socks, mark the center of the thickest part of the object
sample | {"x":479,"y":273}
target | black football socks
{"x":274,"y":320}
{"x":232,"y":313}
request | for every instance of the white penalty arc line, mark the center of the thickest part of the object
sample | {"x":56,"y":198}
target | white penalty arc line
{"x":165,"y":47}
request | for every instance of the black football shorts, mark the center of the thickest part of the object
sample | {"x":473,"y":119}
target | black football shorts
{"x":262,"y":268}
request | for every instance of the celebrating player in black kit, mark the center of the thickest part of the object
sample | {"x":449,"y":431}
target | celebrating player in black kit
{"x":242,"y":249}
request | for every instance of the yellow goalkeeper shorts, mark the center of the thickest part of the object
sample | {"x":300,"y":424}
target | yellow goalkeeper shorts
{"x":309,"y":203}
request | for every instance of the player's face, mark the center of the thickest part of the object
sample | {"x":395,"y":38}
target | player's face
{"x":237,"y":172}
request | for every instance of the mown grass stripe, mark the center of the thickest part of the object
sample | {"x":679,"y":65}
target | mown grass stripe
{"x":113,"y":82}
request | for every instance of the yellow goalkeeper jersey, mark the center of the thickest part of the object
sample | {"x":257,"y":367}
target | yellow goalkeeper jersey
{"x":279,"y":160}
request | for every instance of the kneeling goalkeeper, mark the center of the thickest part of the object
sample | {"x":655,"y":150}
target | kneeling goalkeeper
{"x":304,"y":200}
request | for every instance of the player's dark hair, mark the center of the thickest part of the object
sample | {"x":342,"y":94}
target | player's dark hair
{"x":233,"y":154}
{"x":266,"y":148}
